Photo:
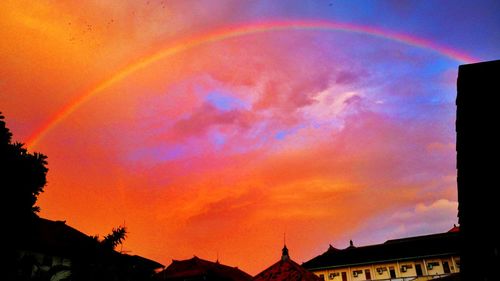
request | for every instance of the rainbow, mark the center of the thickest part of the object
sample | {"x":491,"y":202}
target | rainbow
{"x":233,"y":32}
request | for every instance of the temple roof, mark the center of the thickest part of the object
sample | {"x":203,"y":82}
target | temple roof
{"x":200,"y":269}
{"x":286,"y":269}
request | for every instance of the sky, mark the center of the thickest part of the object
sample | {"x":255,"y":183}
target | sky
{"x":211,"y":128}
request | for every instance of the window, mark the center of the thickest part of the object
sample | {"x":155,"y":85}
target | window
{"x":431,"y":265}
{"x":392,"y":271}
{"x":418,"y":269}
{"x":332,"y":275}
{"x":446,"y":267}
{"x":368,"y":274}
{"x":322,"y":276}
{"x":380,"y":270}
{"x":405,"y":267}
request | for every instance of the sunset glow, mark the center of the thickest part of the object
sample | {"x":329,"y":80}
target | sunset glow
{"x":212,"y":127}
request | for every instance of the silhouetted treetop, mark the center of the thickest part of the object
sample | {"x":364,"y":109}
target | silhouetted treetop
{"x":5,"y":134}
{"x":113,"y":239}
{"x":22,"y":175}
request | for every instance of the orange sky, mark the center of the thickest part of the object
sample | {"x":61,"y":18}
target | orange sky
{"x":325,"y":135}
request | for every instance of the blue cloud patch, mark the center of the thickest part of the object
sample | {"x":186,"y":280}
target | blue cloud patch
{"x":225,"y":102}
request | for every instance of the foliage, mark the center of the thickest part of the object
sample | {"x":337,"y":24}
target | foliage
{"x":22,"y":175}
{"x":22,"y":179}
{"x":115,"y":238}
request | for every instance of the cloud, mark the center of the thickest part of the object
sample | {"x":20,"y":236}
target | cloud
{"x":437,"y":216}
{"x":347,"y":77}
{"x":309,"y":181}
{"x":208,"y":116}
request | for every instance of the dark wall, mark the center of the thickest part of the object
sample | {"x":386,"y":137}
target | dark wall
{"x":478,"y":142}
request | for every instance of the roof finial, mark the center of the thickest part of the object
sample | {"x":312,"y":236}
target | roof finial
{"x":284,"y":254}
{"x":284,"y":251}
{"x":351,"y":245}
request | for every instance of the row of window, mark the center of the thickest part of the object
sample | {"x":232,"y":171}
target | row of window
{"x":392,"y":272}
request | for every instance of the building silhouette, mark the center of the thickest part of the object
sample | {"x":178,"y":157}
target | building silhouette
{"x":478,"y":88}
{"x":53,"y":250}
{"x":428,"y":256}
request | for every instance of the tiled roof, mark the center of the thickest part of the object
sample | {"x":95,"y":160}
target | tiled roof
{"x":397,"y":249}
{"x":286,"y":270}
{"x":200,"y":269}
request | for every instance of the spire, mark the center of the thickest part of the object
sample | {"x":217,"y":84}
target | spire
{"x":284,"y":254}
{"x":284,"y":251}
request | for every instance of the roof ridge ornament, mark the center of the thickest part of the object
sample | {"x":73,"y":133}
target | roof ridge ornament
{"x":284,"y":254}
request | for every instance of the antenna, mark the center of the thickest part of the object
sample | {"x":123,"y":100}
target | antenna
{"x":284,"y":238}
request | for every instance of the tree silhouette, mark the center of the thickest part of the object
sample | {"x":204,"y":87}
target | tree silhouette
{"x":22,"y":176}
{"x":115,"y":238}
{"x":22,"y":179}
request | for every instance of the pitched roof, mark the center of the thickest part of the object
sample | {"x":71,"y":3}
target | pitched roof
{"x":141,"y":262}
{"x":199,"y":268}
{"x":56,"y":238}
{"x":59,"y":239}
{"x":397,"y":249}
{"x":286,"y":270}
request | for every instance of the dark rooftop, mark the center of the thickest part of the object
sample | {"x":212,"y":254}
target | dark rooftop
{"x":141,"y":262}
{"x":433,"y":245}
{"x":200,"y":269}
{"x":56,"y":238}
{"x":286,"y":269}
